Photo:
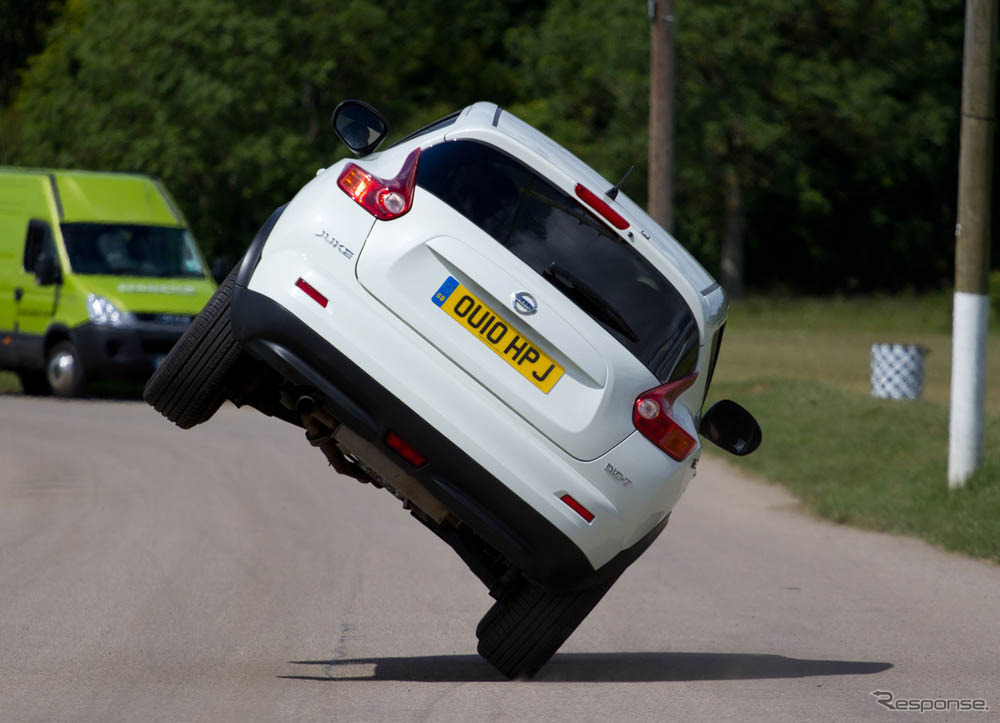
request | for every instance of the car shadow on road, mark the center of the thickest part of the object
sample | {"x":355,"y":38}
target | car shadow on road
{"x":587,"y":667}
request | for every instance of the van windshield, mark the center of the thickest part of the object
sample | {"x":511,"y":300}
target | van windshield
{"x":131,"y":250}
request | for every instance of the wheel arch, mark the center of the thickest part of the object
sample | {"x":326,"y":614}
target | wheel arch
{"x":53,"y":335}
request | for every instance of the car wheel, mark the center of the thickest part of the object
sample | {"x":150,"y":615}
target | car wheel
{"x":63,"y":370}
{"x":33,"y":382}
{"x":191,"y":383}
{"x":527,"y":625}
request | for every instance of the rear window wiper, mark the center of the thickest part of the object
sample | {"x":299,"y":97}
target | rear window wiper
{"x":594,"y":303}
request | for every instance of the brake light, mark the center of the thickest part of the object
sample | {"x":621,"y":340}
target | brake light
{"x":404,"y":449}
{"x":599,"y":205}
{"x":652,"y":415}
{"x":383,"y":199}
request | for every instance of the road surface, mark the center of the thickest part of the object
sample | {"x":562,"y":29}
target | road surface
{"x":226,"y":574}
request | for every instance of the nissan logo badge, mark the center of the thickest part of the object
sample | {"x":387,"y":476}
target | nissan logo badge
{"x":524,"y":303}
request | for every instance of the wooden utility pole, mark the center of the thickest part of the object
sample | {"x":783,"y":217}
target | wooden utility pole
{"x":661,"y":113}
{"x":972,"y":236}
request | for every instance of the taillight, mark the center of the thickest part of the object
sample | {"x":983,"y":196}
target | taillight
{"x":652,"y":415}
{"x":601,"y":206}
{"x":383,"y":199}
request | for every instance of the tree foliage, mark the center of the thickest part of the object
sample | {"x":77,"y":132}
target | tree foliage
{"x":833,"y":123}
{"x":860,"y":187}
{"x":22,"y":33}
{"x":228,"y":100}
{"x":837,"y":119}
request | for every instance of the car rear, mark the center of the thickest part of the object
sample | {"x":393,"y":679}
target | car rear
{"x":513,"y":314}
{"x":471,"y":320}
{"x":610,"y":329}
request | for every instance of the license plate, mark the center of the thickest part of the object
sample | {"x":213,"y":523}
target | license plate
{"x":509,"y":343}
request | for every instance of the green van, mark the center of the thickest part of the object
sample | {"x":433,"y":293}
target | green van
{"x":99,"y":277}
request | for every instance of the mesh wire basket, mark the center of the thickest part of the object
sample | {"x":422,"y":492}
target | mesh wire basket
{"x":898,"y":371}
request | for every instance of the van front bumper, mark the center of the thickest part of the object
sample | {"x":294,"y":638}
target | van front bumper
{"x":124,"y":353}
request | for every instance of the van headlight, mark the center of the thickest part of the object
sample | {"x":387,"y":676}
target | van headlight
{"x":101,"y":311}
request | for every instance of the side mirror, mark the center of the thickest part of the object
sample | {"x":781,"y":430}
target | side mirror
{"x":731,"y":427}
{"x":359,"y":126}
{"x":47,"y":270}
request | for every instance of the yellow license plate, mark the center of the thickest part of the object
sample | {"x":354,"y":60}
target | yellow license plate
{"x":498,"y":334}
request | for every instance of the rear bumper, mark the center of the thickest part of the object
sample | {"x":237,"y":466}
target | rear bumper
{"x":476,"y":497}
{"x":123,"y":353}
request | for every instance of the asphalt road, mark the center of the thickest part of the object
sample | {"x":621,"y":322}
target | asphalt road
{"x":226,"y":574}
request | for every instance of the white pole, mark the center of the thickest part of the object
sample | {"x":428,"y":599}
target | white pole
{"x":972,"y":242}
{"x":968,"y":386}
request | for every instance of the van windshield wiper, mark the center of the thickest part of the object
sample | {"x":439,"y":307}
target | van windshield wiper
{"x":585,"y":296}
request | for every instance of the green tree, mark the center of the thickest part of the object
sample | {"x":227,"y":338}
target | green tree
{"x":864,"y":182}
{"x":820,"y":135}
{"x":817,"y":134}
{"x":828,"y":128}
{"x":22,"y":34}
{"x":229,"y":100}
{"x":585,"y":81}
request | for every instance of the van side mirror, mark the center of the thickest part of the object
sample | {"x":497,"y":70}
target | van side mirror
{"x":729,"y":426}
{"x":359,"y":126}
{"x":47,"y":271}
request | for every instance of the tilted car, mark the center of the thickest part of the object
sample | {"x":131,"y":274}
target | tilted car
{"x":478,"y":322}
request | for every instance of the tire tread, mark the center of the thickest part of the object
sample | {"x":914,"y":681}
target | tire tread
{"x":190,"y":385}
{"x":526,"y":626}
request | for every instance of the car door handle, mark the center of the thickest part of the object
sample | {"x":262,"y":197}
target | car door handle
{"x":18,"y":293}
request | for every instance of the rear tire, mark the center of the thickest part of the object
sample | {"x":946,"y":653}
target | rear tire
{"x":526,"y":627}
{"x":191,"y":383}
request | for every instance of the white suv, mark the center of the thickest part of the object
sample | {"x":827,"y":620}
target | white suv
{"x":477,"y":321}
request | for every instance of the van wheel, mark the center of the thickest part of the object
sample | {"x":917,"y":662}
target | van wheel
{"x":33,"y":382}
{"x":190,"y":384}
{"x":63,"y":370}
{"x":527,"y":625}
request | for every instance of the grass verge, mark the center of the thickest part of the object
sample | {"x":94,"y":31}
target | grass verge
{"x":801,"y":367}
{"x":9,"y":383}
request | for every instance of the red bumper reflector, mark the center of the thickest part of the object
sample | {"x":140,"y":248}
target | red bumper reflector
{"x":311,"y":291}
{"x":599,"y":205}
{"x":578,"y":508}
{"x":404,"y":449}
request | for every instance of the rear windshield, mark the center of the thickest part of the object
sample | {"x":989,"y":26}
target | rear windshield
{"x":570,"y":248}
{"x":131,"y":250}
